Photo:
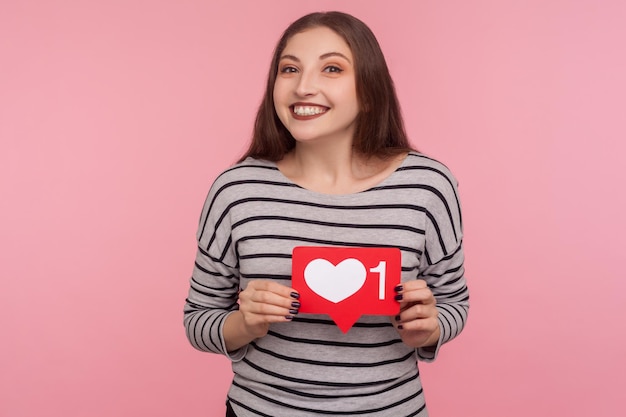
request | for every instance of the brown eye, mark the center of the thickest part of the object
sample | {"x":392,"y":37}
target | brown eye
{"x":333,"y":68}
{"x":288,"y":70}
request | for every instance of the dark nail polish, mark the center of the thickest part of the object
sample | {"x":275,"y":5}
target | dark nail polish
{"x":295,"y":304}
{"x":293,"y":312}
{"x":295,"y":295}
{"x":398,"y":297}
{"x":289,"y":317}
{"x":399,"y":327}
{"x":397,"y":318}
{"x":398,"y":288}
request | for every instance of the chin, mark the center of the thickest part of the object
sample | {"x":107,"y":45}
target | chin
{"x":304,"y":137}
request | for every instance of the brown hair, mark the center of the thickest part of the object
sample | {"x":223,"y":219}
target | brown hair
{"x":379,"y":127}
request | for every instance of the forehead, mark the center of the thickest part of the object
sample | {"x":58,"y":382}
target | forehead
{"x":316,"y":42}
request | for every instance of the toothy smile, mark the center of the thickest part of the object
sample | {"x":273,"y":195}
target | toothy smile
{"x":308,"y":110}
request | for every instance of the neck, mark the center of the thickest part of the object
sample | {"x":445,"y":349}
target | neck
{"x":323,"y":161}
{"x":333,"y":167}
{"x":331,"y":163}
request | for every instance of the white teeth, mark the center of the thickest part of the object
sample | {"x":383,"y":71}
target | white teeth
{"x":308,"y":110}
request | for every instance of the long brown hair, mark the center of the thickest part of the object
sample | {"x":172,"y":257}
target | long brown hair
{"x":379,"y":127}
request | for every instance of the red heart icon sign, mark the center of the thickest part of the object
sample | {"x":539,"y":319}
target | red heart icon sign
{"x":346,"y":283}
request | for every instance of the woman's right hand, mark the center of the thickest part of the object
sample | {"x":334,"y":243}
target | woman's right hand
{"x":261,"y":303}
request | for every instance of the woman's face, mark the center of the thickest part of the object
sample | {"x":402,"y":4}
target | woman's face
{"x":315,"y":90}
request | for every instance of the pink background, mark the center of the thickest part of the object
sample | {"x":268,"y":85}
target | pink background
{"x":115,"y":117}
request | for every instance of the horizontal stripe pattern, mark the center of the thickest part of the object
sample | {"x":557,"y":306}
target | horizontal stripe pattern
{"x":252,"y":219}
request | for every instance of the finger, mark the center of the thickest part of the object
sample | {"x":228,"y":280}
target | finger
{"x":263,"y":303}
{"x":426,"y":325}
{"x":256,"y":321}
{"x":410,"y":321}
{"x":415,"y":284}
{"x":262,"y":313}
{"x":274,"y":287}
{"x":423,"y":296}
{"x":416,"y":312}
{"x":409,"y":286}
{"x":414,"y":291}
{"x":266,"y":309}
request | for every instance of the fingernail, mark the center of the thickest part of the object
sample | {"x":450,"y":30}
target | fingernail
{"x":295,"y":295}
{"x":398,"y":297}
{"x":293,"y":312}
{"x":399,"y":327}
{"x":289,"y":317}
{"x":397,"y":318}
{"x":398,"y":288}
{"x":295,"y":304}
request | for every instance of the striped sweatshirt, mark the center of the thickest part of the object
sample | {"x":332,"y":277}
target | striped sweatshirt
{"x":252,"y":219}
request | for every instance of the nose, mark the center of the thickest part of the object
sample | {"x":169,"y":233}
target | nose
{"x":307,"y":84}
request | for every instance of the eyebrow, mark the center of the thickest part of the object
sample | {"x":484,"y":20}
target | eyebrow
{"x":323,"y":56}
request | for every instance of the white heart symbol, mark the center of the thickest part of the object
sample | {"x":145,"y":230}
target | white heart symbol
{"x":335,"y":283}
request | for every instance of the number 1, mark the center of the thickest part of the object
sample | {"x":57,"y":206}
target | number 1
{"x":381,"y":268}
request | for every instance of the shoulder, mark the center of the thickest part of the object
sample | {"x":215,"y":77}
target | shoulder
{"x":437,"y":186}
{"x":248,"y":179}
{"x":428,"y":171}
{"x":438,"y":189}
{"x":247,"y":170}
{"x":238,"y":182}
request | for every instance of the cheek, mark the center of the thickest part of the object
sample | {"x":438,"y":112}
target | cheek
{"x":350,"y":99}
{"x":346,"y":93}
{"x":280,"y":89}
{"x":279,"y":96}
{"x":276,"y":97}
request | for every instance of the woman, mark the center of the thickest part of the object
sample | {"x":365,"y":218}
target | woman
{"x":329,"y":165}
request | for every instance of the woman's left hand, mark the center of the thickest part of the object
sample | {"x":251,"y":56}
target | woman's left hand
{"x":417,"y":321}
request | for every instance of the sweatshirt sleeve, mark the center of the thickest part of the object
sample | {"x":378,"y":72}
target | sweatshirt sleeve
{"x":442,"y":262}
{"x":214,"y":284}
